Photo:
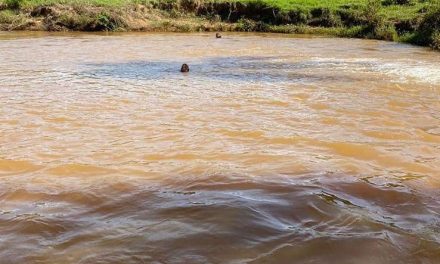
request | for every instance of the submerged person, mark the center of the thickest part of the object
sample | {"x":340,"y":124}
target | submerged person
{"x":217,"y":35}
{"x":184,"y":68}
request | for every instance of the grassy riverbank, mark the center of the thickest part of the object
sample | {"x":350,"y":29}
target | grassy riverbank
{"x":413,"y":21}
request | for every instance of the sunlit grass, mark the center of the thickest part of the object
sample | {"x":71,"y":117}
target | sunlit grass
{"x":400,"y":12}
{"x":391,"y":12}
{"x":332,"y":4}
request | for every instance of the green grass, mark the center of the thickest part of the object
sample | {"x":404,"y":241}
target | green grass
{"x":307,"y":4}
{"x":399,"y":12}
{"x":7,"y":16}
{"x":390,"y":12}
{"x":33,"y":3}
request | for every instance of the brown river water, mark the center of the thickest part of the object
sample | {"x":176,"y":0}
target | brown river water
{"x":272,"y":149}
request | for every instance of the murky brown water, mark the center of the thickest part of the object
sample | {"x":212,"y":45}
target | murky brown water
{"x":272,"y":149}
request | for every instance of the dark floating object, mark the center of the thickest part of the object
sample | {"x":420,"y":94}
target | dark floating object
{"x":185,"y":68}
{"x":217,"y":35}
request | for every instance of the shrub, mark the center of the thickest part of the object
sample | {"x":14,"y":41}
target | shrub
{"x":351,"y":16}
{"x":14,"y":4}
{"x":435,"y":40}
{"x":299,"y":16}
{"x":251,"y":25}
{"x":406,"y":26}
{"x":427,"y":32}
{"x":399,"y":2}
{"x":371,"y":12}
{"x":375,"y":24}
{"x":324,"y":17}
{"x":104,"y":22}
{"x":245,"y":25}
{"x":7,"y":16}
{"x":261,"y":27}
{"x":385,"y":32}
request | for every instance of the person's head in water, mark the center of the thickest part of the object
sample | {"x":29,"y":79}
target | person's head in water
{"x":185,"y":68}
{"x":217,"y":35}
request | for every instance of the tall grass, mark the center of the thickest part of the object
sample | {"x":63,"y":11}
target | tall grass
{"x":34,"y":3}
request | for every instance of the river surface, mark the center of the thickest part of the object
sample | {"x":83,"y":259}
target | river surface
{"x":272,"y":149}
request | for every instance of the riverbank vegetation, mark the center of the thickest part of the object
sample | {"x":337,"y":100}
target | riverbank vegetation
{"x":413,"y":21}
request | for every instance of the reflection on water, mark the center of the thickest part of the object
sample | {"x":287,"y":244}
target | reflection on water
{"x":272,"y":149}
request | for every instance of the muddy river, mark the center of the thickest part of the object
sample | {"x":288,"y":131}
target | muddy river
{"x":272,"y":149}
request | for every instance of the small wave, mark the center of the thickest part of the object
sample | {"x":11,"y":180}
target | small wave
{"x":16,"y":166}
{"x":78,"y":169}
{"x":405,"y":70}
{"x":408,"y":70}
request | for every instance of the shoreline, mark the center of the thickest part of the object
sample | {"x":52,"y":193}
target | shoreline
{"x":203,"y":16}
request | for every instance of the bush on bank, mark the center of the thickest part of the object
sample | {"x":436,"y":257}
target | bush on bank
{"x":428,"y":31}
